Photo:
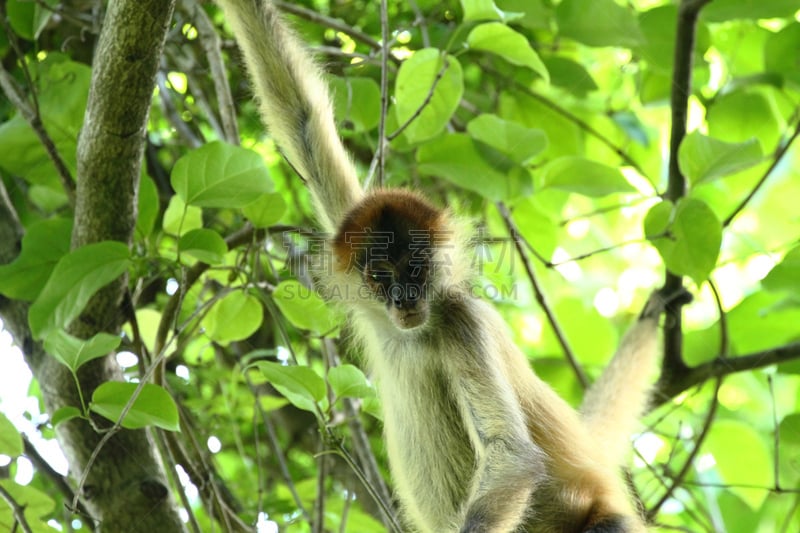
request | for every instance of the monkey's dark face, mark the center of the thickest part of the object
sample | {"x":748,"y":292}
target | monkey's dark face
{"x":388,"y":241}
{"x":402,"y":287}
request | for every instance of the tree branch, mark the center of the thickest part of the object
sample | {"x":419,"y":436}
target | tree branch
{"x":17,"y":510}
{"x":125,"y":489}
{"x":720,"y":367}
{"x":688,"y":12}
{"x":537,"y":289}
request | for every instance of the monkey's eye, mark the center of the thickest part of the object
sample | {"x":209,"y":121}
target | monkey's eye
{"x":381,"y":272}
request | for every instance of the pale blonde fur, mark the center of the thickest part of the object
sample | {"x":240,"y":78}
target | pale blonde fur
{"x":476,"y":441}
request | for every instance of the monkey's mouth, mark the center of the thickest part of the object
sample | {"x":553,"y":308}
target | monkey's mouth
{"x":409,"y":319}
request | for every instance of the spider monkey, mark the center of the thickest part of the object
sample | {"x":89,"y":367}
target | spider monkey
{"x":476,"y":441}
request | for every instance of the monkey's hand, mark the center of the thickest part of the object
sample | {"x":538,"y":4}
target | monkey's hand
{"x":661,"y":299}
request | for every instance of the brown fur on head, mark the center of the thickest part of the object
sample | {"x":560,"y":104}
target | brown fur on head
{"x":389,"y":240}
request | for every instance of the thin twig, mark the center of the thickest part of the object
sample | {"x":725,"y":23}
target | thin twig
{"x":332,"y":23}
{"x":43,"y":467}
{"x":439,"y":75}
{"x":361,"y":446}
{"x":318,"y":524}
{"x":582,"y":124}
{"x":17,"y":509}
{"x":171,"y":112}
{"x":170,"y":463}
{"x":212,"y":46}
{"x":383,"y":141}
{"x":777,"y":156}
{"x":420,"y":22}
{"x":540,"y":297}
{"x":777,"y":437}
{"x":34,"y":120}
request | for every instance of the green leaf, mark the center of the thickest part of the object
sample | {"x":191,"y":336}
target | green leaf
{"x":563,"y":136}
{"x":357,"y":102}
{"x":266,"y":210}
{"x":43,"y":244}
{"x":731,"y":441}
{"x":780,"y":52}
{"x":272,"y":403}
{"x":152,"y":407}
{"x":203,"y":244}
{"x":74,"y":352}
{"x":475,"y":10}
{"x":459,"y":159}
{"x":535,"y":14}
{"x":220,"y":175}
{"x":28,"y":19}
{"x":694,"y":237}
{"x":303,"y":307}
{"x":598,"y":23}
{"x":786,"y":274}
{"x":518,"y":142}
{"x":179,"y":218}
{"x":416,"y":79}
{"x":234,"y":317}
{"x":725,"y":10}
{"x":61,"y":91}
{"x":741,"y":115}
{"x":35,"y":503}
{"x":75,"y":279}
{"x":499,"y":39}
{"x":148,"y":206}
{"x":789,"y":469}
{"x":569,"y":75}
{"x":299,"y":384}
{"x":762,"y":321}
{"x":583,"y":176}
{"x":10,"y":439}
{"x":63,"y":414}
{"x":348,"y":381}
{"x":702,"y":158}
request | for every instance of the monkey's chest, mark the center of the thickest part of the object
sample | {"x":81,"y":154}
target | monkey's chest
{"x":430,"y":455}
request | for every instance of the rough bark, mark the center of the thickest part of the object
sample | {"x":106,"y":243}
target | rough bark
{"x":125,"y":489}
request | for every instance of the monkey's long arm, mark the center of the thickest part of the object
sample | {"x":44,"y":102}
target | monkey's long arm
{"x":509,"y":465}
{"x":295,"y":105}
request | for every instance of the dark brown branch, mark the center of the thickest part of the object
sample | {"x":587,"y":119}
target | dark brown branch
{"x":120,"y":464}
{"x":17,"y":510}
{"x":720,"y":367}
{"x":540,"y":297}
{"x":60,"y":482}
{"x":680,"y":477}
{"x":688,"y":12}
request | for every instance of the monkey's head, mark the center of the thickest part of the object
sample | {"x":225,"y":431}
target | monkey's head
{"x":393,"y":246}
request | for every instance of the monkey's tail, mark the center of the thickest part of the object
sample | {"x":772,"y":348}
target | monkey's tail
{"x":295,"y":105}
{"x":615,"y":402}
